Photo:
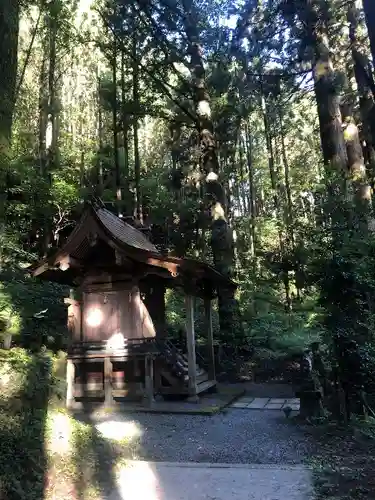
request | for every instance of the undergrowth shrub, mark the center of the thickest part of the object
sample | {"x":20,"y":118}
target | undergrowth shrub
{"x":26,"y":387}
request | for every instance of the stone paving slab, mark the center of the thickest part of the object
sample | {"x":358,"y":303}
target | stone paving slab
{"x":258,"y":403}
{"x":293,"y":401}
{"x":192,"y":481}
{"x":273,"y":406}
{"x":266,"y":403}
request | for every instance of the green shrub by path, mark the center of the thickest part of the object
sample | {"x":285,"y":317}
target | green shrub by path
{"x":23,"y":410}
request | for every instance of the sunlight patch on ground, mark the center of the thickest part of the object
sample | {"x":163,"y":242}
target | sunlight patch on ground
{"x":119,"y":430}
{"x":138,"y":481}
{"x":59,"y":430}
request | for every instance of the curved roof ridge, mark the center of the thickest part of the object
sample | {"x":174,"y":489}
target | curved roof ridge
{"x":124,"y":232}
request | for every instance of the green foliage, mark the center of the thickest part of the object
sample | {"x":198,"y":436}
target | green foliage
{"x":35,"y":309}
{"x":283,"y":334}
{"x":23,"y":407}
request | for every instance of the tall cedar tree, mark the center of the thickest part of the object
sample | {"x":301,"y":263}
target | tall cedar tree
{"x":9,"y":27}
{"x":222,"y":243}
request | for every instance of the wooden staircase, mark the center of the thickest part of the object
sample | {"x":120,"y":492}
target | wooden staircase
{"x":172,"y":372}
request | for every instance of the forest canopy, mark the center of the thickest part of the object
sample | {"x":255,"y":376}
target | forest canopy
{"x":239,"y":132}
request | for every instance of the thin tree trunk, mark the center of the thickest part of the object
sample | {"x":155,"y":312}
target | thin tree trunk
{"x":276,"y":202}
{"x":252,"y":194}
{"x":100,"y":138}
{"x":287,"y":181}
{"x":125,"y":137}
{"x":271,"y":159}
{"x":115,"y":128}
{"x":137,"y":159}
{"x":52,"y":140}
{"x":43,"y":113}
{"x":242,"y":193}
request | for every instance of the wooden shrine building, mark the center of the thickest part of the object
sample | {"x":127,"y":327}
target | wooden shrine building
{"x":118,"y":346}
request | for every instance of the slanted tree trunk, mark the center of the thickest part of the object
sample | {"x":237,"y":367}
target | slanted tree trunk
{"x":9,"y":27}
{"x":222,"y":243}
{"x":366,"y":91}
{"x":369,"y":8}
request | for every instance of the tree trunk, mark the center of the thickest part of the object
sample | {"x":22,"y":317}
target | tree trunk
{"x":369,"y":8}
{"x":115,"y":129}
{"x":222,"y":243}
{"x":288,"y":190}
{"x":52,"y":118}
{"x":366,"y":91}
{"x":136,"y":104}
{"x":100,"y":185}
{"x":125,"y":139}
{"x":252,"y":193}
{"x":43,"y":112}
{"x":356,"y":165}
{"x":326,"y":92}
{"x":241,"y":188}
{"x":48,"y":130}
{"x":9,"y":27}
{"x":276,"y":201}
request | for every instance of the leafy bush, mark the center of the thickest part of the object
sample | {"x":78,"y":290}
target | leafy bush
{"x":35,"y":309}
{"x":23,"y":409}
{"x":283,"y":334}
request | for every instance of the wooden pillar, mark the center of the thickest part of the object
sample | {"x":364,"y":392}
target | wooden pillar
{"x":149,"y":379}
{"x":190,"y":339}
{"x":108,"y":381}
{"x":210,"y":339}
{"x":70,"y":375}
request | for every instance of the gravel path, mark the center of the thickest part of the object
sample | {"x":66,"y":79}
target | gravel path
{"x":237,"y":436}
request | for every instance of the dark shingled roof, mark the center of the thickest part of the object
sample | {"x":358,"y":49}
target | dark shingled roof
{"x":130,"y":240}
{"x":124,"y":232}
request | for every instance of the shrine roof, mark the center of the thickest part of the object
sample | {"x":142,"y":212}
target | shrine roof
{"x":124,"y":232}
{"x":97,"y":224}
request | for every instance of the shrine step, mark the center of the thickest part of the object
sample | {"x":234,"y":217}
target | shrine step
{"x":205,"y":386}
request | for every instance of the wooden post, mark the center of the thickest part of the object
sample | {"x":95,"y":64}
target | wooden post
{"x":70,"y":375}
{"x":190,"y":339}
{"x":108,"y":381}
{"x":149,"y":379}
{"x":210,"y":339}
